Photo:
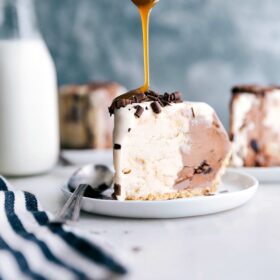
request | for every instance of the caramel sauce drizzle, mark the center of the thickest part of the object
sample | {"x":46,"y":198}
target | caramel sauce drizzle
{"x":145,"y":8}
{"x":145,"y":11}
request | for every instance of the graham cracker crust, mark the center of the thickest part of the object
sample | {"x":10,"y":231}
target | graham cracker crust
{"x":187,"y":193}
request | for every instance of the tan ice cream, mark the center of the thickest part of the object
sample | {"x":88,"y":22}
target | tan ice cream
{"x":169,"y":151}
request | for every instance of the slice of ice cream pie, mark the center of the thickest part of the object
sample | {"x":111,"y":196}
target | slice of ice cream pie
{"x":165,"y":148}
{"x":255,"y":126}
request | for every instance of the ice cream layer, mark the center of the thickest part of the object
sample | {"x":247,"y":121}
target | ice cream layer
{"x":255,"y":127}
{"x":177,"y":152}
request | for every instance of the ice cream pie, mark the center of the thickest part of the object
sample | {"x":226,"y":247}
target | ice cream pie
{"x":84,"y":121}
{"x":165,"y":148}
{"x":255,"y":125}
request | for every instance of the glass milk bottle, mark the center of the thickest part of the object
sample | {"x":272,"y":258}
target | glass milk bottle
{"x":29,"y":141}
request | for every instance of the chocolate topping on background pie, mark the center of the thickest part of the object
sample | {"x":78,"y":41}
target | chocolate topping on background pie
{"x":253,"y":88}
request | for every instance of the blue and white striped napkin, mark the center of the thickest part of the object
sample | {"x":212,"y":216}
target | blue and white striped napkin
{"x":31,"y":248}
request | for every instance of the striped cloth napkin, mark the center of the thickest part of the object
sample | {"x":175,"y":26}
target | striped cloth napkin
{"x":32,"y":248}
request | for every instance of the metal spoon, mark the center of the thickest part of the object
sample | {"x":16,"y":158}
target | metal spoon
{"x":96,"y":177}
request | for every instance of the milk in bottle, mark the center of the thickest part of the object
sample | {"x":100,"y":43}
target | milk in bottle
{"x":29,"y":141}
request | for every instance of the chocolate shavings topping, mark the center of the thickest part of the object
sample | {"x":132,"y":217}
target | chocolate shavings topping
{"x":139,"y":111}
{"x":193,"y":114}
{"x":156,"y":107}
{"x":253,"y":88}
{"x":161,"y":100}
{"x":117,"y":146}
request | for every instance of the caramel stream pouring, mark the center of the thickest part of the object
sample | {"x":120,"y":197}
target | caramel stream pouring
{"x":145,"y":8}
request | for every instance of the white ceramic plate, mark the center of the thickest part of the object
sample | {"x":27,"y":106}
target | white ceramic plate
{"x":235,"y":189}
{"x":263,"y":174}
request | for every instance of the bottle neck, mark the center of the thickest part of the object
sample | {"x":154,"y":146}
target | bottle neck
{"x":18,"y":20}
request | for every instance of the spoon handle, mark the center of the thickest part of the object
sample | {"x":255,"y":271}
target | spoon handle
{"x":71,"y":210}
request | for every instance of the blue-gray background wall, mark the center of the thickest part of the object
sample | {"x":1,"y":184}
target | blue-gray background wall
{"x":201,"y":47}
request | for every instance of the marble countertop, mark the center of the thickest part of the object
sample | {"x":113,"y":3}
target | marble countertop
{"x":243,"y":243}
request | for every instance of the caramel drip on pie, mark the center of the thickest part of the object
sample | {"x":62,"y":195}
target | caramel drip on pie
{"x":145,"y":8}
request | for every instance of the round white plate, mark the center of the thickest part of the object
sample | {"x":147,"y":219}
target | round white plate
{"x":263,"y":174}
{"x":236,"y":188}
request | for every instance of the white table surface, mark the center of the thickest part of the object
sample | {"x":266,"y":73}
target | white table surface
{"x":243,"y":243}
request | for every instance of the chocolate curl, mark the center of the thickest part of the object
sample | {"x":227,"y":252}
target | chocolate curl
{"x":139,"y":111}
{"x":156,"y":107}
{"x":117,"y":146}
{"x":176,"y":97}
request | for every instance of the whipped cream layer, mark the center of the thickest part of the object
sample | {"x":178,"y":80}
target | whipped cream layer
{"x":182,"y":147}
